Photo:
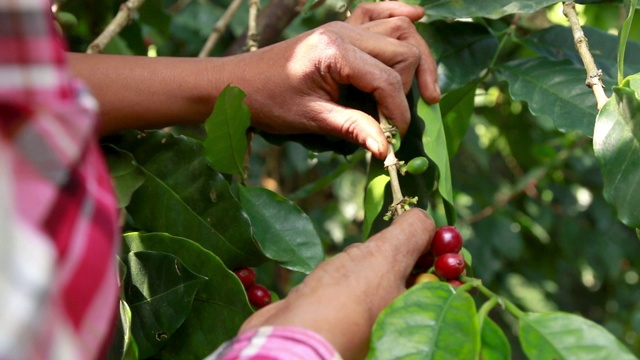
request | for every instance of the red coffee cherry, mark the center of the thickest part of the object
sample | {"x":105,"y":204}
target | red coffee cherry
{"x":455,"y":282}
{"x":449,"y":266}
{"x":259,"y":296}
{"x":246,"y":275}
{"x":446,"y":240}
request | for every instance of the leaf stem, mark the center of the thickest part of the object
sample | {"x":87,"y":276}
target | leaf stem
{"x":508,"y":305}
{"x":624,"y":37}
{"x":484,"y":310}
{"x":594,"y":75}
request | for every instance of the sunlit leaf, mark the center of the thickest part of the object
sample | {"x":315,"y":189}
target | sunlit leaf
{"x":226,"y":143}
{"x":553,"y":89}
{"x":435,"y":145}
{"x":285,"y":233}
{"x":489,"y":8}
{"x":160,"y":294}
{"x":617,"y":147}
{"x":457,"y":107}
{"x":220,"y":305}
{"x":373,"y":201}
{"x":429,"y":321}
{"x":558,"y":335}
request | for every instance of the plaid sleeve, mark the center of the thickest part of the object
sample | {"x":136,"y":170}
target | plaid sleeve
{"x":58,"y":219}
{"x":276,"y":343}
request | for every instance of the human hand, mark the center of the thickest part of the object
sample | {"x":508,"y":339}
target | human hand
{"x":342,"y":297}
{"x":377,"y":50}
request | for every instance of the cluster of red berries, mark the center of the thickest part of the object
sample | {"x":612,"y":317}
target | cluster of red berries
{"x":259,"y":296}
{"x":444,"y":258}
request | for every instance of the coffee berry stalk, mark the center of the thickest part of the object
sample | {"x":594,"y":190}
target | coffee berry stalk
{"x":399,"y":203}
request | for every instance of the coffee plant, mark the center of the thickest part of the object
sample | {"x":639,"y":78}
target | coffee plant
{"x":538,"y":172}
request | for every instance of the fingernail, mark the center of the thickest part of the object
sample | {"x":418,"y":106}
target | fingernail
{"x":373,"y":145}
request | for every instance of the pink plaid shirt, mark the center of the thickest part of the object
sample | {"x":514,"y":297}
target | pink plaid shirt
{"x":58,"y":218}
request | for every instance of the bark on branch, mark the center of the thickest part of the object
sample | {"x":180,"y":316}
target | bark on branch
{"x":219,"y":28}
{"x":594,"y":75}
{"x":122,"y":18}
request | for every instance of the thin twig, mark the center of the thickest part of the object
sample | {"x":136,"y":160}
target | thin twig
{"x":219,"y":28}
{"x":122,"y":18}
{"x":391,"y":164}
{"x":594,"y":75}
{"x":252,"y":32}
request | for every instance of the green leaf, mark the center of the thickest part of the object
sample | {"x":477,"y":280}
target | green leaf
{"x":226,"y":143}
{"x":492,"y":9}
{"x":285,"y":233}
{"x":457,"y":107}
{"x":435,"y":145}
{"x":553,"y":89}
{"x":183,"y":196}
{"x":429,"y":321}
{"x":126,"y":176}
{"x":462,"y":51}
{"x":373,"y":200}
{"x":557,"y":335}
{"x":220,"y":305}
{"x":624,"y":38}
{"x":495,"y":345}
{"x":123,"y":346}
{"x":556,"y":42}
{"x":160,"y":294}
{"x":617,"y":147}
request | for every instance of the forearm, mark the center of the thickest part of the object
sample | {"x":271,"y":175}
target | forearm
{"x":136,"y":92}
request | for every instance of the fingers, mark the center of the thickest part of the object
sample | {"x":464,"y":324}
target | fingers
{"x":404,"y":241}
{"x":402,"y":29}
{"x":366,"y":12}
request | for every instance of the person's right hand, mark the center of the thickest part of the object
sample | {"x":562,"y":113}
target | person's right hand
{"x":341,"y":299}
{"x":292,"y":87}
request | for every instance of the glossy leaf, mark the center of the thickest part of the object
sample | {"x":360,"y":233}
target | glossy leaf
{"x":457,"y":107}
{"x":617,"y":147}
{"x":556,"y":42}
{"x":558,"y":335}
{"x":187,"y":198}
{"x":492,"y":9}
{"x":126,"y":176}
{"x":220,"y":305}
{"x":160,"y":294}
{"x":429,"y":321}
{"x":624,"y":38}
{"x":226,"y":143}
{"x":123,"y":346}
{"x":285,"y":233}
{"x":462,"y":50}
{"x":553,"y":89}
{"x":435,"y":145}
{"x":495,"y":345}
{"x":373,"y":200}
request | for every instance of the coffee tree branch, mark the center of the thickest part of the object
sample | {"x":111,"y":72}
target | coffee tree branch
{"x":219,"y":28}
{"x":594,"y":75}
{"x":122,"y":18}
{"x":252,"y":33}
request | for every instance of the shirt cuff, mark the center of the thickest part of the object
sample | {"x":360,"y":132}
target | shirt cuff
{"x":277,"y":343}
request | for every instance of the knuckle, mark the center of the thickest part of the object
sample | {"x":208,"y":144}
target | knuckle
{"x":401,"y":24}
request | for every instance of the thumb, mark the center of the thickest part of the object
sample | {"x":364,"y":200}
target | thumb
{"x":408,"y":237}
{"x":355,"y":126}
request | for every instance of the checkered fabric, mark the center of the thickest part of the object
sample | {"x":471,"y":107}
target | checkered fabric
{"x":58,"y":218}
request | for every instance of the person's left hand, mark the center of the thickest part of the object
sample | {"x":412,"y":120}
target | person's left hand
{"x":293,"y":87}
{"x":342,"y":297}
